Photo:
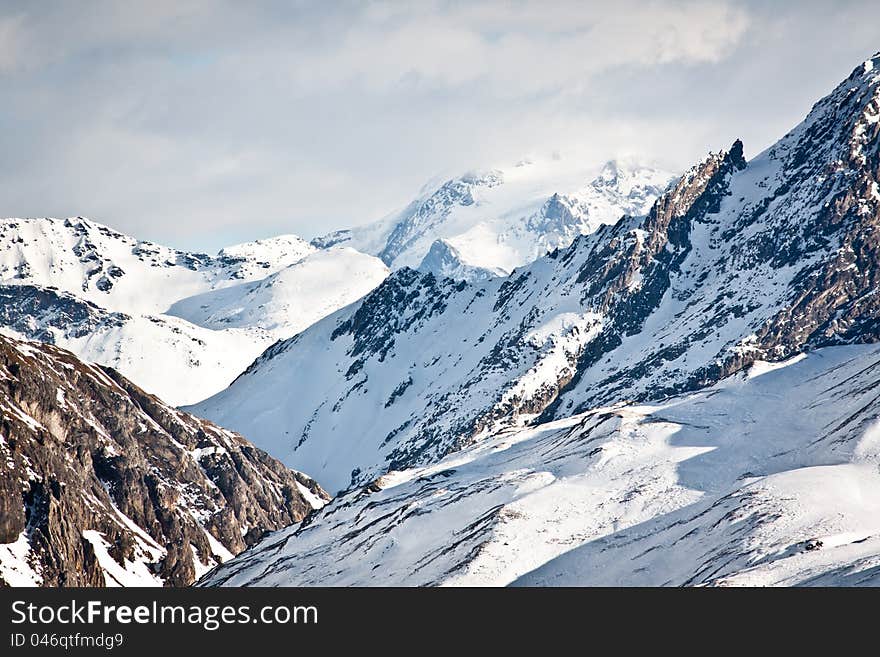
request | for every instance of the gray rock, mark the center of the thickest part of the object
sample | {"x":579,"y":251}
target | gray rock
{"x":85,"y":449}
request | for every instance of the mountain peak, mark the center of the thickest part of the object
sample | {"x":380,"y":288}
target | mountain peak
{"x":735,"y":154}
{"x":609,"y":172}
{"x":623,"y":175}
{"x":444,"y":260}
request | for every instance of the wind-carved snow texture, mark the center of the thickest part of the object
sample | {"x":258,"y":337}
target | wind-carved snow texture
{"x":485,"y":224}
{"x":736,"y":262}
{"x":103,"y":484}
{"x":181,"y":325}
{"x":769,"y":477}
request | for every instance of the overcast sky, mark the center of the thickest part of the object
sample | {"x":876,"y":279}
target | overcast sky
{"x":198,"y":123}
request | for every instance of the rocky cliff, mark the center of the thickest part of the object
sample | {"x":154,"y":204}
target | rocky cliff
{"x":104,"y":484}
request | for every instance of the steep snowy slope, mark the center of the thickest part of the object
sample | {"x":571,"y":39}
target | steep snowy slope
{"x":502,"y":219}
{"x":736,"y":262}
{"x":412,"y":367}
{"x":769,"y":477}
{"x":104,"y":484}
{"x":118,"y":272}
{"x":291,"y":299}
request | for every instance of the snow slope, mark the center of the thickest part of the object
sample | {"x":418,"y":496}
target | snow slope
{"x":182,"y":362}
{"x":497,"y":220}
{"x":286,"y":302}
{"x":768,"y":477}
{"x":344,"y":394}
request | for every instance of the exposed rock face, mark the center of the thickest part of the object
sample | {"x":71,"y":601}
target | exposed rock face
{"x":34,"y":312}
{"x":104,"y":484}
{"x":737,"y":261}
{"x":788,"y":243}
{"x":332,"y":239}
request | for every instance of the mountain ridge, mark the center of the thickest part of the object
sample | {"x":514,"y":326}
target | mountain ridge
{"x":647,"y":308}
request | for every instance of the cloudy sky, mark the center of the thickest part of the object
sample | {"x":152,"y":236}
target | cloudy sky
{"x":197,"y":123}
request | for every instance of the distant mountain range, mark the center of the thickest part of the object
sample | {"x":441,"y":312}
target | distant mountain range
{"x":182,"y":325}
{"x":497,"y":220}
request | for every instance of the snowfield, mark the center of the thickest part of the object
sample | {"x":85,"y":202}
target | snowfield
{"x":769,"y":479}
{"x":181,"y":361}
{"x":291,"y":299}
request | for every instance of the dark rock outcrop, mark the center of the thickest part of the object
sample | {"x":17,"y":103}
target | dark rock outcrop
{"x":32,"y":311}
{"x":107,"y":484}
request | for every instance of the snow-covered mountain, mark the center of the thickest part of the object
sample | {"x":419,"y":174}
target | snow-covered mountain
{"x":769,"y":477}
{"x":737,"y":262}
{"x":182,"y":325}
{"x":180,"y":361}
{"x":677,"y":383}
{"x":118,"y":272}
{"x":291,"y":299}
{"x":496,"y":220}
{"x":105,"y":485}
{"x":445,"y":261}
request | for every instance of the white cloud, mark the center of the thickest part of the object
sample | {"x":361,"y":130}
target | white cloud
{"x":12,"y":43}
{"x":195,"y":122}
{"x":515,"y":49}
